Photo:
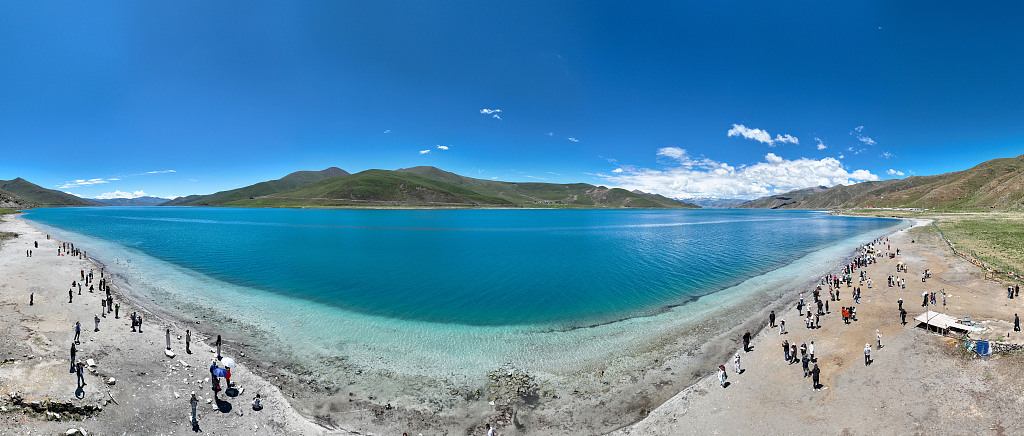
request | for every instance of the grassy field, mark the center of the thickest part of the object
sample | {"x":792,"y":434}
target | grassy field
{"x":995,"y":238}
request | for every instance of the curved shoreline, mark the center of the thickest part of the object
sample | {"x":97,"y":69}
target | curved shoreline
{"x":640,"y":364}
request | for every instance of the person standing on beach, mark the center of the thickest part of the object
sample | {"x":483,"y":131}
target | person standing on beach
{"x":736,"y":362}
{"x":117,"y":308}
{"x":81,"y":377}
{"x":195,"y":413}
{"x":103,"y":308}
{"x":810,"y":350}
{"x":78,"y":331}
{"x":133,"y":321}
{"x":900,"y":302}
{"x":903,"y":316}
{"x":97,"y":319}
{"x":1016,"y":323}
{"x":110,"y":303}
{"x":188,"y":340}
{"x":490,"y":431}
{"x":218,"y":346}
{"x":782,"y":327}
{"x":805,"y":362}
{"x":785,"y":349}
{"x":771,"y":320}
{"x":826,"y":307}
{"x":814,"y":377}
{"x":32,"y":299}
{"x":168,"y":338}
{"x":74,"y":352}
{"x":140,"y":323}
{"x":878,"y":336}
{"x":721,"y":375}
{"x":867,"y":354}
{"x":746,"y":343}
{"x":71,"y":295}
{"x":792,"y":353}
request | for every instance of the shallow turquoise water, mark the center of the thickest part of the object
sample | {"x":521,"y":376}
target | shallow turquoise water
{"x":474,"y":267}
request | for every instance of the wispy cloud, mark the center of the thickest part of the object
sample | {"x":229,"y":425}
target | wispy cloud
{"x":554,"y":173}
{"x":442,"y":147}
{"x":618,"y":170}
{"x":160,"y":172}
{"x":860,"y":137}
{"x":119,"y":194}
{"x":425,"y":151}
{"x":689,"y":176}
{"x":387,"y":131}
{"x":886,"y":155}
{"x":573,"y":139}
{"x":494,"y":113}
{"x":81,"y":182}
{"x":761,"y":136}
{"x":550,"y":133}
{"x":893,"y":172}
{"x":821,"y":145}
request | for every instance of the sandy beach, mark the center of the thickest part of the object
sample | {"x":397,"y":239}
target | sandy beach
{"x":150,"y":392}
{"x":917,"y":383}
{"x":150,"y":395}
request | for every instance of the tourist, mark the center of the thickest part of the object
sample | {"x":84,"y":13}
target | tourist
{"x":219,"y":342}
{"x":900,"y":302}
{"x":188,"y":340}
{"x":97,"y":319}
{"x":805,"y":361}
{"x":133,"y":321}
{"x":215,"y":381}
{"x":867,"y":354}
{"x":1016,"y":323}
{"x":782,"y":327}
{"x":71,"y":295}
{"x":903,"y":316}
{"x":78,"y":331}
{"x":785,"y":349}
{"x":195,"y":413}
{"x":771,"y":319}
{"x":74,"y":352}
{"x":746,"y":343}
{"x":490,"y":431}
{"x":139,"y":319}
{"x":810,"y":350}
{"x":735,"y":362}
{"x":81,"y":377}
{"x":792,"y":353}
{"x":257,"y":402}
{"x":721,"y":377}
{"x":168,"y":338}
{"x":110,"y":303}
{"x":814,"y":377}
{"x":103,"y":308}
{"x":117,"y":308}
{"x":32,"y":299}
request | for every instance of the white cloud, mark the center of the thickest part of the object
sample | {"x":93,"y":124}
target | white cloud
{"x":160,"y":172}
{"x":865,"y":139}
{"x":821,"y":145}
{"x":573,"y":139}
{"x":119,"y":194}
{"x":494,"y":178}
{"x":81,"y":182}
{"x":617,"y":170}
{"x":886,"y":155}
{"x":114,"y":179}
{"x":492,"y":112}
{"x":442,"y":147}
{"x":760,"y":135}
{"x":688,"y":176}
{"x":424,"y":151}
{"x":893,"y":172}
{"x":387,"y":131}
{"x":550,"y":133}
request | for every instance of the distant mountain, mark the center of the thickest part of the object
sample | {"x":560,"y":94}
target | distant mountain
{"x":289,"y":182}
{"x":995,"y":184}
{"x":38,"y":196}
{"x":714,"y":203}
{"x":431,"y":187}
{"x":137,"y":201}
{"x":548,"y":194}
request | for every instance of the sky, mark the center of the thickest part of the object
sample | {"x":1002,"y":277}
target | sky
{"x":708,"y":99}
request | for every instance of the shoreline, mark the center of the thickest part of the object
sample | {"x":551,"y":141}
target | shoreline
{"x":683,"y":356}
{"x":43,"y":351}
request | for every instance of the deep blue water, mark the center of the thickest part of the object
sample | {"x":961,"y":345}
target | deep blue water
{"x":478,"y":267}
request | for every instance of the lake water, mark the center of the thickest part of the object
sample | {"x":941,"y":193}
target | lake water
{"x":553,"y":268}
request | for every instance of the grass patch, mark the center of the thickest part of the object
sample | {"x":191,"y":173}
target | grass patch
{"x":994,"y":238}
{"x":4,"y":211}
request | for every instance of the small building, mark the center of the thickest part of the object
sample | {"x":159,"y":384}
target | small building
{"x":943,"y":322}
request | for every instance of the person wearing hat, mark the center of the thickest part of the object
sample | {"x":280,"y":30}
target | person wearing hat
{"x":721,"y":374}
{"x":878,"y":336}
{"x":867,"y":354}
{"x":814,"y":377}
{"x":195,"y":413}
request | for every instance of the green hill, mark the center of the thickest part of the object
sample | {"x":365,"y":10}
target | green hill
{"x":376,"y":188}
{"x":547,"y":194}
{"x":38,"y":196}
{"x":286,"y":183}
{"x":995,"y":184}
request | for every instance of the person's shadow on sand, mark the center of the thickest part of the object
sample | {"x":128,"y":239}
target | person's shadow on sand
{"x":742,"y":371}
{"x":727,"y":384}
{"x":231,"y":392}
{"x":195,"y":427}
{"x":223,"y":406}
{"x":79,"y":393}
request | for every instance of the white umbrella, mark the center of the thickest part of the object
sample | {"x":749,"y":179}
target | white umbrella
{"x":228,"y":362}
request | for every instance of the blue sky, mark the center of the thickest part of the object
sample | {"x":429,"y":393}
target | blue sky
{"x":729,"y":99}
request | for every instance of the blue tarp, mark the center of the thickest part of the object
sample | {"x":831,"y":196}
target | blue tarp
{"x":983,"y":348}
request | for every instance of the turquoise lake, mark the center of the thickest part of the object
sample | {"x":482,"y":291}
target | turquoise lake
{"x":563,"y":268}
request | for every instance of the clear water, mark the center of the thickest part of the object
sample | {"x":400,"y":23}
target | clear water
{"x":553,"y":268}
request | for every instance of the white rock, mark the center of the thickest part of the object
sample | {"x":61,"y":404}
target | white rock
{"x":176,"y":395}
{"x":209,"y":400}
{"x":90,"y":362}
{"x":111,"y":381}
{"x":183,"y":363}
{"x":169,"y":353}
{"x":72,"y":432}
